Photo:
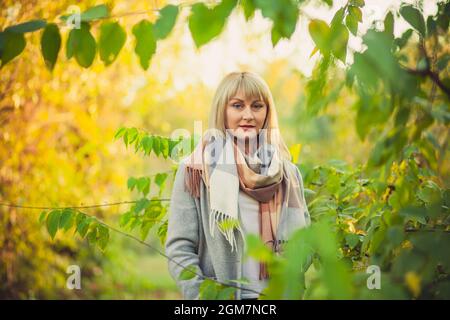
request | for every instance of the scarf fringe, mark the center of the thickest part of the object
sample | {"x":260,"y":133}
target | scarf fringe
{"x":263,"y":271}
{"x":217,"y":218}
{"x":192,"y":179}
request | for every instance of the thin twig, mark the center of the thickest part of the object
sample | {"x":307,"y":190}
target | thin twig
{"x":135,"y":238}
{"x":177,"y":263}
{"x":78,"y":207}
{"x":432,"y":75}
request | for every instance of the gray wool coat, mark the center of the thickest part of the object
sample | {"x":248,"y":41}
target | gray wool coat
{"x":189,"y":241}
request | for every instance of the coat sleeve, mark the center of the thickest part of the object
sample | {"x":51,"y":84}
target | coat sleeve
{"x":183,"y":237}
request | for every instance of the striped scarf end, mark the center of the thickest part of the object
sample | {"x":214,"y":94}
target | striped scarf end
{"x":192,"y":179}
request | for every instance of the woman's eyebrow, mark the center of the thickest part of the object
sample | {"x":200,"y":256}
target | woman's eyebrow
{"x":243,"y":100}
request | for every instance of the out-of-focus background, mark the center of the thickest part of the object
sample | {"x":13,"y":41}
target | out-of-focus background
{"x":57,"y":128}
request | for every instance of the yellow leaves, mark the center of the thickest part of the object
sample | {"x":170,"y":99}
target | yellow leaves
{"x":398,"y":170}
{"x":412,"y":281}
{"x":403,"y":166}
{"x":351,"y":226}
{"x":406,"y":244}
{"x":386,"y":194}
{"x":294,"y":150}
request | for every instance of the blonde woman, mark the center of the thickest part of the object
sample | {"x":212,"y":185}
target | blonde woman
{"x":239,"y":180}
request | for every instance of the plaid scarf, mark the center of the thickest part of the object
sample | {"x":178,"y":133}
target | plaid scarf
{"x":226,"y":170}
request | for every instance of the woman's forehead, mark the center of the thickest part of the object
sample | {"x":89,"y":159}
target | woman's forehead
{"x":246,"y":96}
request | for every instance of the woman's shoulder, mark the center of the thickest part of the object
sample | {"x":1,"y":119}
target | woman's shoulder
{"x":292,"y":166}
{"x":294,"y":171}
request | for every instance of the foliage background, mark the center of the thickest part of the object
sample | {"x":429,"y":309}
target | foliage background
{"x":370,"y":137}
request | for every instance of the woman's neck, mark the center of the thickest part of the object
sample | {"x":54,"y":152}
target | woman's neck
{"x":248,"y":147}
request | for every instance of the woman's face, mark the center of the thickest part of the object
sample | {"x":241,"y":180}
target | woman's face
{"x":245,"y":116}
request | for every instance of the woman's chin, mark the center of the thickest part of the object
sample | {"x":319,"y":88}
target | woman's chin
{"x":244,"y":134}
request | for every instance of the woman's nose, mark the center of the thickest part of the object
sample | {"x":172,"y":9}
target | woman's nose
{"x":248,"y":114}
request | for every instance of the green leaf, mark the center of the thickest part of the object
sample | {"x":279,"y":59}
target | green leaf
{"x":338,"y":17}
{"x":205,"y":24}
{"x":415,"y":213}
{"x":208,"y":290}
{"x":125,"y":218}
{"x":429,"y":192}
{"x":355,"y":12}
{"x":257,"y":249}
{"x":352,"y":24}
{"x":378,"y":64}
{"x":319,"y":31}
{"x":53,"y":222}
{"x":166,"y":21}
{"x":132,"y":135}
{"x":352,"y":240}
{"x":338,"y":41}
{"x":226,"y":293}
{"x":378,"y":236}
{"x":389,"y":24}
{"x":125,"y":137}
{"x":141,"y":204}
{"x":145,"y":228}
{"x":401,"y":42}
{"x":354,"y":16}
{"x":330,"y":39}
{"x":28,"y":26}
{"x":147,"y":144}
{"x":131,"y":183}
{"x":72,"y":43}
{"x":165,"y":147}
{"x":357,"y":3}
{"x":414,"y":17}
{"x":50,"y":45}
{"x":443,"y":15}
{"x":162,"y":232}
{"x":443,"y":61}
{"x":249,"y":9}
{"x":160,"y":178}
{"x":112,"y":39}
{"x":188,"y":273}
{"x":12,"y":44}
{"x":103,"y":236}
{"x":92,"y":234}
{"x":83,"y":222}
{"x":145,"y":42}
{"x":402,"y":116}
{"x":94,"y":13}
{"x":120,"y":132}
{"x":283,"y":13}
{"x":81,"y":44}
{"x":156,"y":145}
{"x":153,"y":211}
{"x":42,"y":217}
{"x":67,"y":219}
{"x":143,"y":185}
{"x":2,"y":43}
{"x":137,"y":142}
{"x":431,"y":25}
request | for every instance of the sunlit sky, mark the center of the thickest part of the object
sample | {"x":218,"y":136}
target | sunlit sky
{"x":247,"y":45}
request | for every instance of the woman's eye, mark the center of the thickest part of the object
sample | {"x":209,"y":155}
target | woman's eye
{"x":236,"y":105}
{"x":258,"y":106}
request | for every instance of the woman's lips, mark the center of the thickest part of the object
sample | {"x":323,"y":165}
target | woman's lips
{"x":246,"y":128}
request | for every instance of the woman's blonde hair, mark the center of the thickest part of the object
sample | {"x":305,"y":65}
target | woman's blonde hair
{"x":252,"y":86}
